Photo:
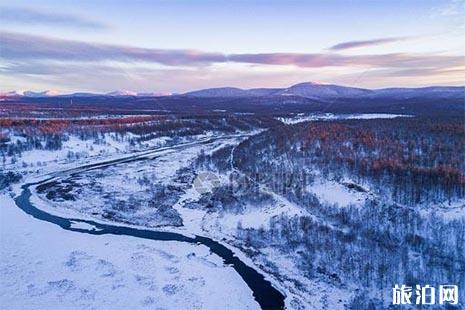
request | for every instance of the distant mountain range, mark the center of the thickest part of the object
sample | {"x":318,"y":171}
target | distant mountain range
{"x":48,"y":93}
{"x":306,"y":90}
{"x":329,"y":91}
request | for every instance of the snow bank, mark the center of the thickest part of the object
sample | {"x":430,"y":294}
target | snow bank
{"x":43,"y":267}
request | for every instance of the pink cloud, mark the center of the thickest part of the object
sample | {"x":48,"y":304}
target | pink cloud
{"x":22,"y":47}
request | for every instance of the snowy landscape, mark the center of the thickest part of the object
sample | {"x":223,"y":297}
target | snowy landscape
{"x":164,"y":208}
{"x":275,"y":155}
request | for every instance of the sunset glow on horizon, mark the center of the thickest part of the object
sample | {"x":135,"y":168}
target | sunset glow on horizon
{"x":176,"y":46}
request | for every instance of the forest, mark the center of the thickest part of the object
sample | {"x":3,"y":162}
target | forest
{"x":411,"y":161}
{"x":413,"y":165}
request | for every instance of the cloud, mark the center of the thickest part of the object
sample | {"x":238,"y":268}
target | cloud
{"x":29,"y":49}
{"x":336,"y":60}
{"x":365,"y":43}
{"x":35,"y":17}
{"x":20,"y":46}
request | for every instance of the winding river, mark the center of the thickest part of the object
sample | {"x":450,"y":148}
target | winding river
{"x":264,"y":293}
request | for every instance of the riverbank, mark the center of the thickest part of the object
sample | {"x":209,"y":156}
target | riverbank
{"x":43,"y":264}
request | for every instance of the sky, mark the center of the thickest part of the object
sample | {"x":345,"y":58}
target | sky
{"x":173,"y":46}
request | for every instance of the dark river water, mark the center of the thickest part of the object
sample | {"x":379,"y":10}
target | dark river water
{"x":264,"y":293}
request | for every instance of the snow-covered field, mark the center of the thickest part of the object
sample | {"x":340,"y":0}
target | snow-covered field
{"x":43,"y":267}
{"x":338,"y":193}
{"x":132,"y":192}
{"x":75,"y":152}
{"x":299,"y":118}
{"x":121,"y":181}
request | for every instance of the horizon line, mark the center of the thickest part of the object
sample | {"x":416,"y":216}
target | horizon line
{"x":155,"y":93}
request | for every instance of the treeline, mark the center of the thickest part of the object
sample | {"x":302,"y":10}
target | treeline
{"x":31,"y":126}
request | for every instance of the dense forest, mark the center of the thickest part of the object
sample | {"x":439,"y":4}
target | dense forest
{"x":411,"y":164}
{"x":411,"y":161}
